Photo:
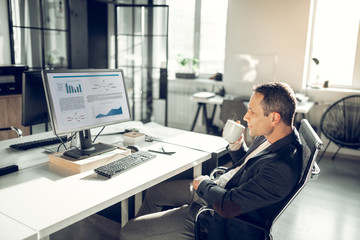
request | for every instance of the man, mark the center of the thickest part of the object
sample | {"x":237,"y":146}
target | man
{"x":252,"y":189}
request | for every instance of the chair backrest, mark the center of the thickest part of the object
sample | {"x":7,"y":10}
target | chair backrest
{"x":340,"y":122}
{"x":311,"y":145}
{"x":234,"y":110}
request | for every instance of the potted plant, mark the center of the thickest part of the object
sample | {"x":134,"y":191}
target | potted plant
{"x":188,"y":67}
{"x":315,"y":82}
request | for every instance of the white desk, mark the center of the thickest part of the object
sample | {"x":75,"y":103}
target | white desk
{"x":304,"y":108}
{"x":47,"y":198}
{"x":217,"y":100}
{"x":197,"y":141}
{"x":202,"y":102}
{"x":23,"y":159}
{"x":13,"y":230}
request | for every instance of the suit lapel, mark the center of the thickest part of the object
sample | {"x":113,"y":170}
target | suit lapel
{"x":258,"y":141}
{"x":272,"y":148}
{"x":251,"y":160}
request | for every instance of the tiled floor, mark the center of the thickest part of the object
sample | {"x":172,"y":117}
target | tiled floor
{"x":328,"y":208}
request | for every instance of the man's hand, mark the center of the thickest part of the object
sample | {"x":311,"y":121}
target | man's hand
{"x":236,"y":145}
{"x":198,"y":180}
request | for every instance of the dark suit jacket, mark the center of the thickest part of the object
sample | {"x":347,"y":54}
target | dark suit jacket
{"x":255,"y":192}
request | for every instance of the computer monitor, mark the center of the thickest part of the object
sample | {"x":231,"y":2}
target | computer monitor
{"x":79,"y":100}
{"x":34,"y":107}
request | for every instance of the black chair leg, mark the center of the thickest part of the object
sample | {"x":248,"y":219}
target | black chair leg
{"x":334,"y":156}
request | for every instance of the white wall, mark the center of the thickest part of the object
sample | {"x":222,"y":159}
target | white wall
{"x":279,"y":28}
{"x":5,"y":58}
{"x":268,"y":28}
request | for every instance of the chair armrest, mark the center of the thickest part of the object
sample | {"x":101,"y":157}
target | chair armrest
{"x":201,"y":224}
{"x":217,"y":171}
{"x":315,"y":171}
{"x":202,"y":210}
{"x":17,"y":130}
{"x":198,"y":223}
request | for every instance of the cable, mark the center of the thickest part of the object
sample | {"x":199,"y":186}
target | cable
{"x":62,"y":143}
{"x":98,"y":134}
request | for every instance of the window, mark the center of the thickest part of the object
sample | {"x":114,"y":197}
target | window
{"x":212,"y":36}
{"x":335,"y":43}
{"x":4,"y":35}
{"x":181,"y":31}
{"x":191,"y":35}
{"x":40,"y":33}
{"x":142,"y":40}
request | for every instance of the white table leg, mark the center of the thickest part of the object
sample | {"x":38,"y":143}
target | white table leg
{"x":138,"y":202}
{"x":197,"y":170}
{"x":124,"y":212}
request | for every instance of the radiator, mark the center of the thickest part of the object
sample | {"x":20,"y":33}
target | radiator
{"x":182,"y":110}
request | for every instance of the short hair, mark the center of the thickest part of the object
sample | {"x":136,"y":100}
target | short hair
{"x":278,"y":97}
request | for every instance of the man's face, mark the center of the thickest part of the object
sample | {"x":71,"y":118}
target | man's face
{"x":258,"y":123}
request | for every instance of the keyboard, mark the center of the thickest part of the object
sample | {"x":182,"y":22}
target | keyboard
{"x":118,"y":166}
{"x":39,"y":143}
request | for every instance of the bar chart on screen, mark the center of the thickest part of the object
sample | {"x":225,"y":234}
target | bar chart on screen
{"x":73,"y":89}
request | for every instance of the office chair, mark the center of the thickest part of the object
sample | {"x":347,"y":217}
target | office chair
{"x":234,"y":110}
{"x":341,"y":124}
{"x":12,"y":128}
{"x":311,"y":145}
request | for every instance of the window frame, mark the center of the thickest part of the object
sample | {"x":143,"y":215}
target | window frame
{"x":43,"y":30}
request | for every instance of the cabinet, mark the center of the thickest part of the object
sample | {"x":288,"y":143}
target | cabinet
{"x":10,"y":112}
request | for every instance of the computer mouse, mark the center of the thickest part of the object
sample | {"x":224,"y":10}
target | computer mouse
{"x":133,"y":148}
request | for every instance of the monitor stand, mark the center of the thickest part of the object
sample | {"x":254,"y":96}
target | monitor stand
{"x":87,"y":148}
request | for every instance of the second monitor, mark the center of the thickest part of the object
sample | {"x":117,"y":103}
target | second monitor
{"x":79,"y":100}
{"x":34,"y":108}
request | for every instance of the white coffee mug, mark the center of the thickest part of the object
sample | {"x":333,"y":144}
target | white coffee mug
{"x":232,"y":131}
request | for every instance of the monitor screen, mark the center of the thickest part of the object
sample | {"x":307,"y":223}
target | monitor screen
{"x":34,"y":107}
{"x":79,"y":100}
